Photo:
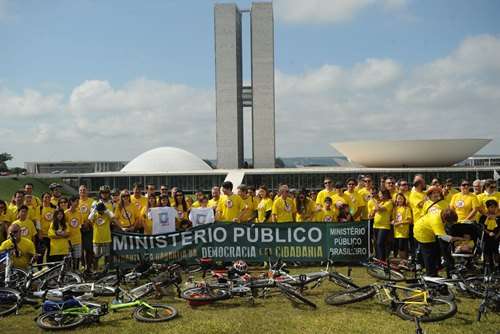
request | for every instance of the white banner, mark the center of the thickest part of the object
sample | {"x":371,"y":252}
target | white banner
{"x":163,"y":219}
{"x":200,"y":216}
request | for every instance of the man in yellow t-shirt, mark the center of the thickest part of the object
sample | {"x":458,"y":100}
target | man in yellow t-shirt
{"x":75,"y":220}
{"x":465,"y":204}
{"x":22,"y":249}
{"x":27,"y":227}
{"x":101,"y":219}
{"x":329,"y":212}
{"x":214,"y":201}
{"x":28,"y":190}
{"x":328,"y":191}
{"x":230,"y":205}
{"x":55,"y":189}
{"x":417,"y":199}
{"x":137,"y":199}
{"x":356,"y":201}
{"x":248,"y":210}
{"x":283,"y":206}
{"x":366,"y":193}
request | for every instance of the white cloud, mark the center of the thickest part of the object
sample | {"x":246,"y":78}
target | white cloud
{"x":30,"y":103}
{"x":329,"y":11}
{"x":456,"y":96}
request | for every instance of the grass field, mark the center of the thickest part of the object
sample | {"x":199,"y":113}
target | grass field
{"x":9,"y":185}
{"x":275,"y":315}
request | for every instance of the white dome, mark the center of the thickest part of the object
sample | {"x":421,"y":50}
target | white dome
{"x":410,"y":153}
{"x":165,"y":159}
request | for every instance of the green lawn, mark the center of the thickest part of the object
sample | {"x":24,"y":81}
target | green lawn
{"x":9,"y":185}
{"x":276,"y":315}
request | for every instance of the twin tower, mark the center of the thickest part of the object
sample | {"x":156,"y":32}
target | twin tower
{"x":232,"y":95}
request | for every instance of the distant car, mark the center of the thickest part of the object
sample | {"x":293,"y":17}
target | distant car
{"x":4,"y":173}
{"x":24,"y":173}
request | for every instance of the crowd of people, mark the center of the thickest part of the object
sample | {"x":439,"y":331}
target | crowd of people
{"x":404,"y":217}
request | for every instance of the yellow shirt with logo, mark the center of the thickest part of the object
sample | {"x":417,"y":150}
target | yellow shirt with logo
{"x":212,"y":203}
{"x":307,"y":214}
{"x":402,"y":216}
{"x":85,"y":206}
{"x":327,"y":215}
{"x":366,"y":195}
{"x":265,"y":205}
{"x":46,"y":217}
{"x":126,"y":216}
{"x":382,"y":219}
{"x":482,"y":198}
{"x":229,"y":207}
{"x":450,"y":195}
{"x":139,"y":203}
{"x":414,"y":199}
{"x":463,"y":204}
{"x":58,"y":245}
{"x":26,"y":250}
{"x":148,"y":222}
{"x":320,"y":199}
{"x":74,"y":221}
{"x":101,"y":228}
{"x":428,"y":227}
{"x":27,"y":227}
{"x":283,"y":209}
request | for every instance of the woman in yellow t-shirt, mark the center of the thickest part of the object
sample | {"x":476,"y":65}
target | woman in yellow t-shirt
{"x":58,"y":234}
{"x":464,"y":203}
{"x":401,"y":220}
{"x":182,"y":222}
{"x":126,"y":213}
{"x":147,"y":222}
{"x":305,"y":207}
{"x":382,"y":223}
{"x":46,"y":217}
{"x":5,"y":220}
{"x":265,"y":206}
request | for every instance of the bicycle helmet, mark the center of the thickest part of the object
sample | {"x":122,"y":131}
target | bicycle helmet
{"x":240,"y":266}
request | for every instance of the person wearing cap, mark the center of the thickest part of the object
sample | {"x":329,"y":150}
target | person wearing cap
{"x":104,"y":197}
{"x":22,"y":249}
{"x":328,"y":191}
{"x":283,"y":206}
{"x":435,"y":200}
{"x":465,"y":204}
{"x":55,"y":189}
{"x":230,"y":204}
{"x":101,"y":219}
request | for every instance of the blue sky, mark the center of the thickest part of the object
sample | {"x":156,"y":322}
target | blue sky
{"x":75,"y":68}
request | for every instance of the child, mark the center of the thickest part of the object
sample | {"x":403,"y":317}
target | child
{"x":328,"y":213}
{"x":465,"y":246}
{"x":491,"y":221}
{"x":401,"y":220}
{"x":101,"y":217}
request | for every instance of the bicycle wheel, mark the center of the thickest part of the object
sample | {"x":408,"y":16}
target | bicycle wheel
{"x":142,"y":291}
{"x":155,"y":313}
{"x":383,"y":274}
{"x":350,"y":296}
{"x":342,"y":281}
{"x":59,"y":320}
{"x":434,"y":310}
{"x":17,"y":278}
{"x":51,"y":281}
{"x":439,"y":291}
{"x":295,"y":296}
{"x":205,"y":294}
{"x":9,"y":300}
{"x":96,"y":289}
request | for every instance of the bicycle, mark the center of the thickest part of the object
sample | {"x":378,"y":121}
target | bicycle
{"x":12,"y":276}
{"x":407,"y":303}
{"x":73,"y":317}
{"x":491,"y":297}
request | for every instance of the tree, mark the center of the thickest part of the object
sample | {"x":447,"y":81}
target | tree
{"x":4,"y":157}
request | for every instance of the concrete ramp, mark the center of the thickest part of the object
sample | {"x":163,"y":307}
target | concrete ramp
{"x":236,"y":177}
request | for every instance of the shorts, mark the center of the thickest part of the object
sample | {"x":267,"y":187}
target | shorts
{"x":76,"y":251}
{"x":102,"y":249}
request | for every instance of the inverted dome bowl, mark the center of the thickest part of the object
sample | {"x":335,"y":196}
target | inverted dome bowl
{"x":410,"y":153}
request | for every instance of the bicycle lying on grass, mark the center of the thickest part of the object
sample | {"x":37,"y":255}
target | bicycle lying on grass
{"x":408,"y":303}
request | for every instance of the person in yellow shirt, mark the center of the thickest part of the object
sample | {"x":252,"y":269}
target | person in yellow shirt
{"x":265,"y":206}
{"x":126,"y":213}
{"x":305,"y":207}
{"x":491,"y":222}
{"x":214,"y":201}
{"x":33,"y":210}
{"x":101,"y":219}
{"x":338,"y":197}
{"x":328,"y":213}
{"x":172,"y":196}
{"x":283,"y":207}
{"x":429,"y":231}
{"x":55,"y":189}
{"x":17,"y":202}
{"x":490,"y":192}
{"x":248,"y":210}
{"x":147,"y":222}
{"x":46,"y":218}
{"x":465,"y":204}
{"x":449,"y":191}
{"x":230,"y":205}
{"x":163,"y":201}
{"x":85,"y":207}
{"x":356,"y":201}
{"x":5,"y":220}
{"x":417,"y":199}
{"x":28,"y":190}
{"x":402,"y":188}
{"x":198,"y":195}
{"x":366,"y":193}
{"x":28,"y":229}
{"x":75,"y":221}
{"x":382,"y":223}
{"x":22,"y":249}
{"x":182,"y":222}
{"x":328,"y":191}
{"x":137,"y":199}
{"x":59,"y":237}
{"x":401,"y":220}
{"x":435,"y":200}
